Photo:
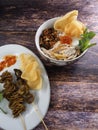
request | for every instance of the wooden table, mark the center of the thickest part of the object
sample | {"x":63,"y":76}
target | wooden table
{"x":74,"y":88}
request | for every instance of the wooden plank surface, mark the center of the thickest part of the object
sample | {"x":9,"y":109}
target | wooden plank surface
{"x":74,"y":88}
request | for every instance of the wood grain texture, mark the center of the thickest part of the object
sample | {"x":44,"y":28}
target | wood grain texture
{"x":74,"y":88}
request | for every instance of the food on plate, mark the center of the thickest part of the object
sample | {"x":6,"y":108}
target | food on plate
{"x":7,"y":61}
{"x":30,"y":71}
{"x":17,"y":92}
{"x":67,"y":39}
{"x":17,"y":86}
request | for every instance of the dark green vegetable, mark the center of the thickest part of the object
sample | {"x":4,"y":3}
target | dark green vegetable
{"x":1,"y":96}
{"x":84,"y":42}
{"x":3,"y":111}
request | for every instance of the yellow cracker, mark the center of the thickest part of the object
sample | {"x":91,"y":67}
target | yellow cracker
{"x":31,"y":71}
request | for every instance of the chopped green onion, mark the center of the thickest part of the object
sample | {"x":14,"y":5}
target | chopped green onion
{"x":1,"y":96}
{"x":3,"y":111}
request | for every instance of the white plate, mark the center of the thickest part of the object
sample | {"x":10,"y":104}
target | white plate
{"x":7,"y":121}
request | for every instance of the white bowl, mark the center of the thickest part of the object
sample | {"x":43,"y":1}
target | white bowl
{"x":48,"y":24}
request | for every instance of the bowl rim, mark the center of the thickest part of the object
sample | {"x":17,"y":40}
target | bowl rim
{"x":37,"y":43}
